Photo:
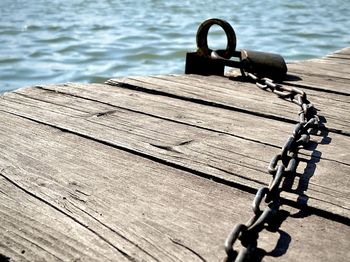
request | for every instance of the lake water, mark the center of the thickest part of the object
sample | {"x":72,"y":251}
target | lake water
{"x":52,"y":41}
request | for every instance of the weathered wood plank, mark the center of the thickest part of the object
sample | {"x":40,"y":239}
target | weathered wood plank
{"x":342,"y":59}
{"x":320,"y":68}
{"x":218,"y":120}
{"x":220,"y":155}
{"x":329,"y":105}
{"x":103,"y":173}
{"x":142,"y":208}
{"x":345,"y":50}
{"x":334,"y":79}
{"x":321,"y":95}
{"x":336,"y":64}
{"x":239,"y":96}
{"x":309,"y":82}
{"x":145,"y":209}
{"x":32,"y":230}
{"x":335,"y":60}
{"x":337,"y":69}
{"x":313,"y":92}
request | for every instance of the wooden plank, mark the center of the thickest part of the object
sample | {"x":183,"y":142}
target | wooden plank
{"x":326,"y":74}
{"x":230,"y":94}
{"x":218,"y":120}
{"x":145,"y":209}
{"x":314,"y":93}
{"x":332,"y":78}
{"x":32,"y":230}
{"x":310,"y":82}
{"x":336,"y":65}
{"x":220,"y":155}
{"x":334,"y":100}
{"x":142,"y":208}
{"x":320,"y":68}
{"x":161,"y":169}
{"x":345,"y":51}
{"x":337,"y":59}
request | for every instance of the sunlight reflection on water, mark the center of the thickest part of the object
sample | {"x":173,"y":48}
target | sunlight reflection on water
{"x":90,"y":41}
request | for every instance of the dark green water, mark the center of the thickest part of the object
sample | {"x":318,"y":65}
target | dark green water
{"x":90,"y":41}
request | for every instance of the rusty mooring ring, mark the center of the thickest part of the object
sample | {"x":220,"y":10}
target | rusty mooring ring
{"x":202,"y":37}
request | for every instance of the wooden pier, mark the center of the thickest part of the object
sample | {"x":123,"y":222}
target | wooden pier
{"x":160,"y":168}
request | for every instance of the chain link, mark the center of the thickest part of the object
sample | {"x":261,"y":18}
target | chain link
{"x":282,"y":165}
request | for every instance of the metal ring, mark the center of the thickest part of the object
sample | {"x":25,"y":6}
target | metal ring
{"x":273,"y":164}
{"x":232,"y":237}
{"x":275,"y":183}
{"x":287,"y":147}
{"x":298,"y":129}
{"x":202,"y":37}
{"x":258,"y":198}
{"x":262,"y":219}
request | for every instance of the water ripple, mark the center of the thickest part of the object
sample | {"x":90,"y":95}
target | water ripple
{"x":91,"y":41}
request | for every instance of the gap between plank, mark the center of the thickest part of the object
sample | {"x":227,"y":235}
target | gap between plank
{"x":303,"y":208}
{"x":162,"y":118}
{"x":215,"y":104}
{"x":148,"y":114}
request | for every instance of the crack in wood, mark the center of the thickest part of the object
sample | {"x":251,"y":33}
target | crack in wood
{"x":114,"y":231}
{"x":106,"y":113}
{"x":190,"y":170}
{"x":121,"y":84}
{"x":235,"y":174}
{"x":150,"y":157}
{"x":199,"y":101}
{"x":288,"y":83}
{"x":178,"y":242}
{"x":159,"y":160}
{"x":44,"y":201}
{"x":164,"y":118}
{"x":164,"y":147}
{"x":185,"y":142}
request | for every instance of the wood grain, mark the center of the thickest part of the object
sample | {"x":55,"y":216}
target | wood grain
{"x":228,"y":156}
{"x":72,"y":198}
{"x":140,"y":208}
{"x":161,"y":168}
{"x":242,"y":97}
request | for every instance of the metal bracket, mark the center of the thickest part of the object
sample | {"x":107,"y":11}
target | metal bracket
{"x":201,"y":62}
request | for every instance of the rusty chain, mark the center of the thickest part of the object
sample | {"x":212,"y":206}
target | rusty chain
{"x":282,"y":165}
